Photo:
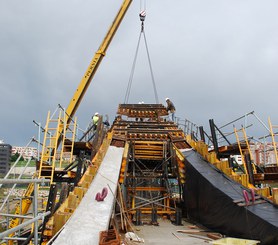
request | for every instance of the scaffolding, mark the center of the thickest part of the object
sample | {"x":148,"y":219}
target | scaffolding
{"x":10,"y":234}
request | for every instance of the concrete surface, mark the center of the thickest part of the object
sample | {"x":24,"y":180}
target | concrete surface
{"x":166,"y":233}
{"x":91,"y":216}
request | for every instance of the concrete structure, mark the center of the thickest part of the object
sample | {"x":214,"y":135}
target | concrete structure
{"x":92,"y":216}
{"x":5,"y":156}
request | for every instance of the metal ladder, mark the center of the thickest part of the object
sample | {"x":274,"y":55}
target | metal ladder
{"x":53,"y":128}
{"x":68,"y":139}
{"x":245,"y":138}
{"x":53,"y":131}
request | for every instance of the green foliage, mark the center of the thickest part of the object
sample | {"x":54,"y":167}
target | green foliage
{"x":15,"y":156}
{"x":22,"y":163}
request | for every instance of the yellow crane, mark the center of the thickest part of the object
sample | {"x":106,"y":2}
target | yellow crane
{"x":95,"y":62}
{"x":75,"y":101}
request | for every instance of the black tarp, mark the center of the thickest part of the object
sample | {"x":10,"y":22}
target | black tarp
{"x":209,"y":197}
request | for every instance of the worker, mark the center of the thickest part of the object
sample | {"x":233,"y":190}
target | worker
{"x":95,"y":120}
{"x":106,"y":122}
{"x":170,"y":109}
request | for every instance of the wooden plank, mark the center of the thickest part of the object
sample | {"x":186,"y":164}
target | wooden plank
{"x":275,"y":195}
{"x":243,"y":200}
{"x":250,"y":204}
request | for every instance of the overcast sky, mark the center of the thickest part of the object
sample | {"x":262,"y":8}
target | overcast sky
{"x":215,"y":59}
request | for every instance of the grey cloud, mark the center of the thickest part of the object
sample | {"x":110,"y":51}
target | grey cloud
{"x":215,"y":59}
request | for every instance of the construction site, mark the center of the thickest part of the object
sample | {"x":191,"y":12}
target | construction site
{"x":145,"y":179}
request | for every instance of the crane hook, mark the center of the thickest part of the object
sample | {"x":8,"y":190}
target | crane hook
{"x":142,"y":16}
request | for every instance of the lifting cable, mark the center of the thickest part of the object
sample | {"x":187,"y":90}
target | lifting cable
{"x":142,"y":16}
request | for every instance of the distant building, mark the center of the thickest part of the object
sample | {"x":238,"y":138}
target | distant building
{"x":261,"y":154}
{"x":26,"y":152}
{"x":5,"y":157}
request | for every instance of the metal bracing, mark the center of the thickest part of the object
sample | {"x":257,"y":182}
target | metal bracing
{"x":156,"y":200}
{"x":24,"y":203}
{"x":20,"y":211}
{"x":16,"y":162}
{"x":147,"y":180}
{"x":24,"y":224}
{"x":244,"y":139}
{"x":14,"y":185}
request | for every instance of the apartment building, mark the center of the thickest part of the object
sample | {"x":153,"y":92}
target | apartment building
{"x":5,"y":157}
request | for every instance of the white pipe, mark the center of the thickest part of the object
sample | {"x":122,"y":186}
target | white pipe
{"x":23,"y":181}
{"x":10,"y":191}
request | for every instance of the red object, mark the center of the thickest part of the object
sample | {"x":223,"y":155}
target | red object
{"x":246,"y":197}
{"x":101,"y":196}
{"x":253,"y":195}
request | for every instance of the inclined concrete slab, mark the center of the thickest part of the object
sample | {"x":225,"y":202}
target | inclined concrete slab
{"x":91,"y":216}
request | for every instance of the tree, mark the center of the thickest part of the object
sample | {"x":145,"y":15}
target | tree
{"x":15,"y":156}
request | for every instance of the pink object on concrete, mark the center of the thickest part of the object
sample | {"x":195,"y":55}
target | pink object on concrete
{"x":101,"y":196}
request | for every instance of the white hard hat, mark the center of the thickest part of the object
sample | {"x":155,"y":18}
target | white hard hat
{"x":167,"y":99}
{"x":96,"y":114}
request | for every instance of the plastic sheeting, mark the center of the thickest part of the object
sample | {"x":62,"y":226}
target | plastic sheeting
{"x":209,"y":200}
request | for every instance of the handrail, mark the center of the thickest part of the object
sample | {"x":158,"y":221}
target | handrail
{"x":31,"y":221}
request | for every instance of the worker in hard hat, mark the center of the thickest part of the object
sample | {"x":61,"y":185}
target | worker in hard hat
{"x":170,"y":109}
{"x":95,"y":120}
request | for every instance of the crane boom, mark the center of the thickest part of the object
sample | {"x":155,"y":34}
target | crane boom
{"x":91,"y":70}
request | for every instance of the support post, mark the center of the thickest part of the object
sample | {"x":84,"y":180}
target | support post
{"x":138,"y":217}
{"x":213,"y":135}
{"x":154,"y":216}
{"x":202,"y":134}
{"x":178,"y":217}
{"x":248,"y":163}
